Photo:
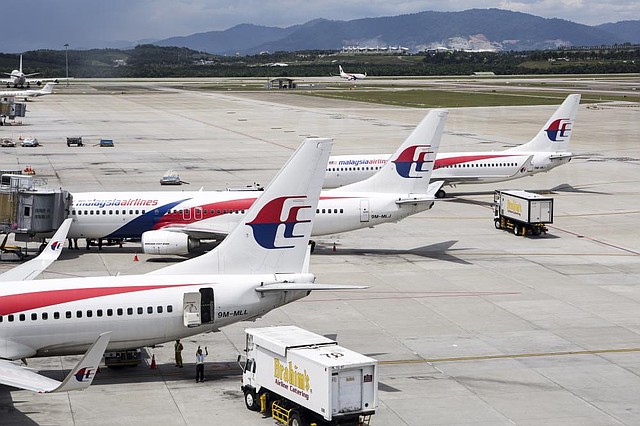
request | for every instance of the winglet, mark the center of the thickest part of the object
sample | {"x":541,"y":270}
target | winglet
{"x":31,"y":269}
{"x":85,"y":371}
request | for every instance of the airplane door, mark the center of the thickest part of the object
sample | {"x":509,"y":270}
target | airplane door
{"x":364,"y":210}
{"x":197,"y":213}
{"x":191,"y":309}
{"x":206,"y":305}
{"x":186,"y":214}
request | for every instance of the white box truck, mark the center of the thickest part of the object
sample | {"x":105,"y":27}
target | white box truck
{"x":523,"y":212}
{"x":301,"y":378}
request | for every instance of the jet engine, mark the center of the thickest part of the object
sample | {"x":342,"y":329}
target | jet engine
{"x":168,"y":242}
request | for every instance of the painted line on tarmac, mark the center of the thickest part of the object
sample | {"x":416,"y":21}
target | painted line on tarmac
{"x":507,"y":356}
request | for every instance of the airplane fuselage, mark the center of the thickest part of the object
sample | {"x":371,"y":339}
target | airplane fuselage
{"x":65,"y":316}
{"x":452,"y":168}
{"x":128,"y":215}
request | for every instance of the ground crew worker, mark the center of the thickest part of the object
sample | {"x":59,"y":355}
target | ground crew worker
{"x":178,"y":349}
{"x":200,"y":363}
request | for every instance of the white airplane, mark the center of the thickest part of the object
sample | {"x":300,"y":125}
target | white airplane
{"x":547,"y":150}
{"x":175,"y":222}
{"x":34,"y":267}
{"x":351,"y":76}
{"x":260,"y":266}
{"x":28,"y":93}
{"x":17,"y":78}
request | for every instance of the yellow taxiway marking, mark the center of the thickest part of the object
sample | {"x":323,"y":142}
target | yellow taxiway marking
{"x":507,"y":356}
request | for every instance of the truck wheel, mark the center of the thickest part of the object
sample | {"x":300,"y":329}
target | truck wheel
{"x":295,"y":420}
{"x":516,"y":230}
{"x":497,"y":223}
{"x":251,"y":400}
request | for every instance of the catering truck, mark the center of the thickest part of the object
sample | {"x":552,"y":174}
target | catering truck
{"x":523,"y":212}
{"x":301,"y":378}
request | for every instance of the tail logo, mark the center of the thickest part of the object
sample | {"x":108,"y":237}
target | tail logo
{"x":267,"y":225}
{"x":85,"y":374}
{"x":412,"y":163}
{"x":559,"y":130}
{"x":56,"y":245}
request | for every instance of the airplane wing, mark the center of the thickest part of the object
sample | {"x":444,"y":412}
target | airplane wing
{"x":79,"y":378}
{"x":306,"y":287}
{"x":31,"y":269}
{"x":204,"y":231}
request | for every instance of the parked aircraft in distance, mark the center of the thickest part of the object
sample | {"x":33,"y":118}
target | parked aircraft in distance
{"x":351,"y":76}
{"x":17,"y":78}
{"x":175,"y":222}
{"x":260,"y":266}
{"x":34,"y":267}
{"x":28,"y":93}
{"x":547,"y":150}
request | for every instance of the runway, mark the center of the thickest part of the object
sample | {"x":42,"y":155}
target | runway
{"x":471,"y":325}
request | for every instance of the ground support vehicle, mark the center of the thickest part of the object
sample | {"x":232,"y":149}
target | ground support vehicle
{"x":522,"y":212}
{"x":77,"y":141}
{"x":301,"y":378}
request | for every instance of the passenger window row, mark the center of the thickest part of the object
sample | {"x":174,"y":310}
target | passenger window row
{"x":350,"y":169}
{"x":318,"y":211}
{"x":104,"y":212}
{"x":88,"y":313}
{"x":457,"y":166}
{"x":206,"y":211}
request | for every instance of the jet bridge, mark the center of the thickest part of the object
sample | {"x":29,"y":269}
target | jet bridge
{"x":28,"y":209}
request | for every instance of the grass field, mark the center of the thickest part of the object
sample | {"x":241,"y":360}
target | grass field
{"x":449,"y":99}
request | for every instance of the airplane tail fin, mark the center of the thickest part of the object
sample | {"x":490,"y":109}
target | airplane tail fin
{"x":409,"y":168}
{"x":20,"y":69}
{"x":274,"y":234}
{"x":340,"y":68}
{"x":47,"y":89}
{"x":556,"y":133}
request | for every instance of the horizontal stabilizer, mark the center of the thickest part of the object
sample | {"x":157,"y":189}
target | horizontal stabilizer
{"x":31,"y":269}
{"x":307,"y":287}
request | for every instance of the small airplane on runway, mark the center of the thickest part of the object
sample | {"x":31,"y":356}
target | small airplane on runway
{"x":17,"y":78}
{"x":350,"y":75}
{"x":28,"y":93}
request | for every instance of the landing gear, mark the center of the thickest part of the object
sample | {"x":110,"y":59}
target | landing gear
{"x":440,"y":193}
{"x":313,"y":245}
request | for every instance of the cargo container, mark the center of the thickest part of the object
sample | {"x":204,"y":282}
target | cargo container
{"x":301,"y":378}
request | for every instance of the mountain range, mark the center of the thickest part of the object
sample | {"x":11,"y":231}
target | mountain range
{"x":474,"y":29}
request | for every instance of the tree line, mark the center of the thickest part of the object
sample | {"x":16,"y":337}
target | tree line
{"x":155,"y":61}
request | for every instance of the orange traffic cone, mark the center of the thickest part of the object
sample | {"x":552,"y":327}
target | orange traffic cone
{"x":135,"y":257}
{"x":153,"y":365}
{"x":334,"y":247}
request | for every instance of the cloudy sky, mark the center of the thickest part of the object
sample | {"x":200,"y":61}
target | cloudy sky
{"x":52,"y":23}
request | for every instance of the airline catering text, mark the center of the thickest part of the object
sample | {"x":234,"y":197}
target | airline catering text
{"x":288,"y":376}
{"x":514,"y":207}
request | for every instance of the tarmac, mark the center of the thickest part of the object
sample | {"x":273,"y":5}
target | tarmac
{"x":471,"y":325}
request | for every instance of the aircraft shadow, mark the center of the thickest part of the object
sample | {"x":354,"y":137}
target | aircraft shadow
{"x":439,"y":251}
{"x":9,"y":414}
{"x":166,"y":372}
